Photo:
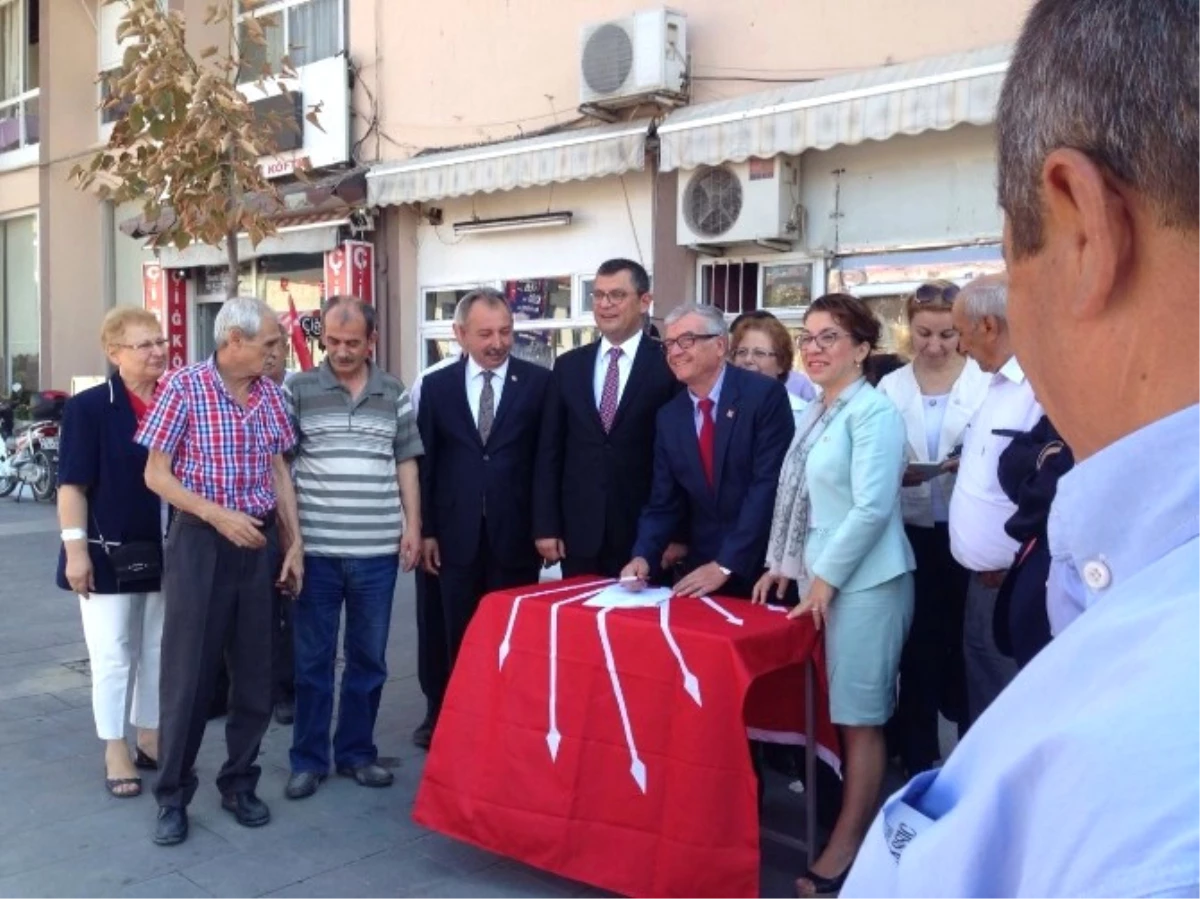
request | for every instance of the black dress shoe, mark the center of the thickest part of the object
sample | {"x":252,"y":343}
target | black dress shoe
{"x":249,"y":810}
{"x":371,"y":775}
{"x":172,"y":825}
{"x":423,"y":735}
{"x":285,"y":711}
{"x":302,"y":784}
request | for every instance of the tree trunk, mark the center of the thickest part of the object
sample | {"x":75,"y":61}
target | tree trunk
{"x":231,"y":260}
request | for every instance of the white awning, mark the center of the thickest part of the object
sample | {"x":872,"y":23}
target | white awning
{"x":546,"y":159}
{"x":929,"y":94}
{"x":315,"y":238}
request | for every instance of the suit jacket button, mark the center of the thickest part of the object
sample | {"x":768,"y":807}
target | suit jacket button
{"x":486,"y":457}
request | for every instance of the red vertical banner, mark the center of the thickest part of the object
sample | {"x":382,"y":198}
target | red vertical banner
{"x":152,"y":290}
{"x":177,"y":318}
{"x":350,"y":269}
{"x":164,"y":292}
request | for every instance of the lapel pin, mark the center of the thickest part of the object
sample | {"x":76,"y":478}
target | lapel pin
{"x":513,"y":378}
{"x":729,"y":414}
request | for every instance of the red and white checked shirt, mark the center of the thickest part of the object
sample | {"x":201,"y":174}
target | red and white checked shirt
{"x":220,"y":450}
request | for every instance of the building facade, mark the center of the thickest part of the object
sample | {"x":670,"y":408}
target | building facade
{"x":752,"y":155}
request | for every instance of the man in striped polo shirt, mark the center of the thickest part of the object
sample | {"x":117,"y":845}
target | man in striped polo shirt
{"x":358,"y":493}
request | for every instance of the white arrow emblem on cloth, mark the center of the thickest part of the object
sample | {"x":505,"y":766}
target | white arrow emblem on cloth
{"x":721,"y":610}
{"x":506,"y":643}
{"x":553,"y":734}
{"x":690,"y":682}
{"x":637,"y":768}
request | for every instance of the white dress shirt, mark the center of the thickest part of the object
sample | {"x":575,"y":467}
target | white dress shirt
{"x":979,"y":507}
{"x":1080,"y":779}
{"x":624,"y":365}
{"x":475,"y":386}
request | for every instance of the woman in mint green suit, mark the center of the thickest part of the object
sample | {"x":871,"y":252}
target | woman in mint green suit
{"x":838,"y":533}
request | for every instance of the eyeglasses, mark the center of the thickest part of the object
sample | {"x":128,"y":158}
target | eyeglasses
{"x":685,"y":341}
{"x":146,"y":345}
{"x":744,"y":353}
{"x":611,"y":297}
{"x":932,"y":293}
{"x":825,"y":340}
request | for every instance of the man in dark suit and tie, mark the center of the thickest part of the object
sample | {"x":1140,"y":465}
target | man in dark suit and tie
{"x":479,"y":421}
{"x":595,"y":455}
{"x":717,"y":453}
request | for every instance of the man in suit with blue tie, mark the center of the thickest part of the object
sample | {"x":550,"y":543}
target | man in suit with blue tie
{"x":479,"y":420}
{"x":595,"y":455}
{"x":718,"y":449}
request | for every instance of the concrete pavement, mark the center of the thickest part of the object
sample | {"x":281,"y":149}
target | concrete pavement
{"x":61,"y":834}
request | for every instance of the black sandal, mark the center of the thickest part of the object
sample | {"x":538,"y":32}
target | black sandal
{"x":822,"y":886}
{"x":112,"y":783}
{"x":144,"y":762}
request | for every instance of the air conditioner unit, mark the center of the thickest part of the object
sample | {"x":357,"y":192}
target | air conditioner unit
{"x":626,"y":61}
{"x":739,"y":202}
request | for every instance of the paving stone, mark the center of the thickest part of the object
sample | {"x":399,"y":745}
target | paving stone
{"x":170,"y":886}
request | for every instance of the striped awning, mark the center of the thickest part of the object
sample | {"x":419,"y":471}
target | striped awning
{"x":932,"y":94}
{"x":574,"y":155}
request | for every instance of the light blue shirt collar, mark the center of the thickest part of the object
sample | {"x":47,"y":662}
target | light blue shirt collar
{"x":714,"y":394}
{"x":1157,"y":464}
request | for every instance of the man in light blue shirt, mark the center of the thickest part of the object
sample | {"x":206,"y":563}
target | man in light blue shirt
{"x":1082,"y":778}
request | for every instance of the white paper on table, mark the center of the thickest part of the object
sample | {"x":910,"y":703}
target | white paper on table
{"x":617,"y":597}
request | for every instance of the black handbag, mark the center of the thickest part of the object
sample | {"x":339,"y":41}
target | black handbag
{"x":137,"y":560}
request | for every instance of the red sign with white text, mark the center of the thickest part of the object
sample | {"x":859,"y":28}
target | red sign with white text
{"x":350,"y":270}
{"x":164,"y":292}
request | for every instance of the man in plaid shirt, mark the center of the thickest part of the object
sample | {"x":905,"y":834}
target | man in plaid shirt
{"x":217,"y":435}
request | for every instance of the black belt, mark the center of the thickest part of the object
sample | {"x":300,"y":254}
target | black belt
{"x":267,"y":518}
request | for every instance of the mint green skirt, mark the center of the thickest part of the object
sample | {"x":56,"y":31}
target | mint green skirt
{"x":863,"y":641}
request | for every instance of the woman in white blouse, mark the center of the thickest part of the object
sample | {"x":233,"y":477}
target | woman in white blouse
{"x":937,"y":393}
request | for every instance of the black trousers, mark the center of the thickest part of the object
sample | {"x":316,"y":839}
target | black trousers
{"x":932,"y":673}
{"x":464,"y":585}
{"x":433,"y":661}
{"x":218,"y":604}
{"x":608,"y":563}
{"x":283,"y":655}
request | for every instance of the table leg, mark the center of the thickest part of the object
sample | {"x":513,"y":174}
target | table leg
{"x":810,"y":762}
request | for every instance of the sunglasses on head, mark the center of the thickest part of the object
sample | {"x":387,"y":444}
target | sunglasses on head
{"x":932,"y":293}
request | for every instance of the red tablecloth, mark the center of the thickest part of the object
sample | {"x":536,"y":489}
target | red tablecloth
{"x":626,"y":764}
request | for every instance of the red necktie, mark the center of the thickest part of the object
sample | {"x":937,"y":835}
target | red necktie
{"x":707,"y":435}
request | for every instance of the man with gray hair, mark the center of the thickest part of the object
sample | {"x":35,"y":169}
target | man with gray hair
{"x":217,"y":437}
{"x":1081,"y":779}
{"x":718,"y":448}
{"x":979,"y":507}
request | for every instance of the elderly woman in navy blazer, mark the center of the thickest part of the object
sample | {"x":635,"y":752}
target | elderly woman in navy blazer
{"x":837,"y":532}
{"x":102,"y":492}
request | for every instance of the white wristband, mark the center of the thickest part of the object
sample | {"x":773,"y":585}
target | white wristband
{"x":73,"y":534}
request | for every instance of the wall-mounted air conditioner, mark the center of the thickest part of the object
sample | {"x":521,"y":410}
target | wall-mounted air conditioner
{"x":640,"y":58}
{"x":741,"y":202}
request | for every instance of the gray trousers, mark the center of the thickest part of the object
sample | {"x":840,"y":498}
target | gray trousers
{"x":988,"y":669}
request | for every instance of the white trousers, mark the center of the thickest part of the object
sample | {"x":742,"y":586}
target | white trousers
{"x":110,"y":625}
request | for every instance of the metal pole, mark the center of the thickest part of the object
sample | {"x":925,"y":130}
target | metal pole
{"x":810,"y":761}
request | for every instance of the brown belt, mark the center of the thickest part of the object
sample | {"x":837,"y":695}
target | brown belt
{"x":991,"y":579}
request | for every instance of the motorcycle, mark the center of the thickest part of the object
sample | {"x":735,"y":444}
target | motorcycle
{"x":30,"y":455}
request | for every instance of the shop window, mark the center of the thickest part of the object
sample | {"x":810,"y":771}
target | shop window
{"x":19,"y":59}
{"x":545,"y":320}
{"x":305,"y":31}
{"x":20,"y":318}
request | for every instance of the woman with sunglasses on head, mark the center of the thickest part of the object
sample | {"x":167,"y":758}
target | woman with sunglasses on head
{"x":112,"y":541}
{"x":837,"y":532}
{"x":765,"y":346}
{"x":936,"y":393}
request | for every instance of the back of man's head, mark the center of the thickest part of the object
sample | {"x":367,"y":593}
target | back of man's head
{"x":1114,"y":79}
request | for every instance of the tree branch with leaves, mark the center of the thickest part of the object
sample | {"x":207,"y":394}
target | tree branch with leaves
{"x":189,"y":144}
